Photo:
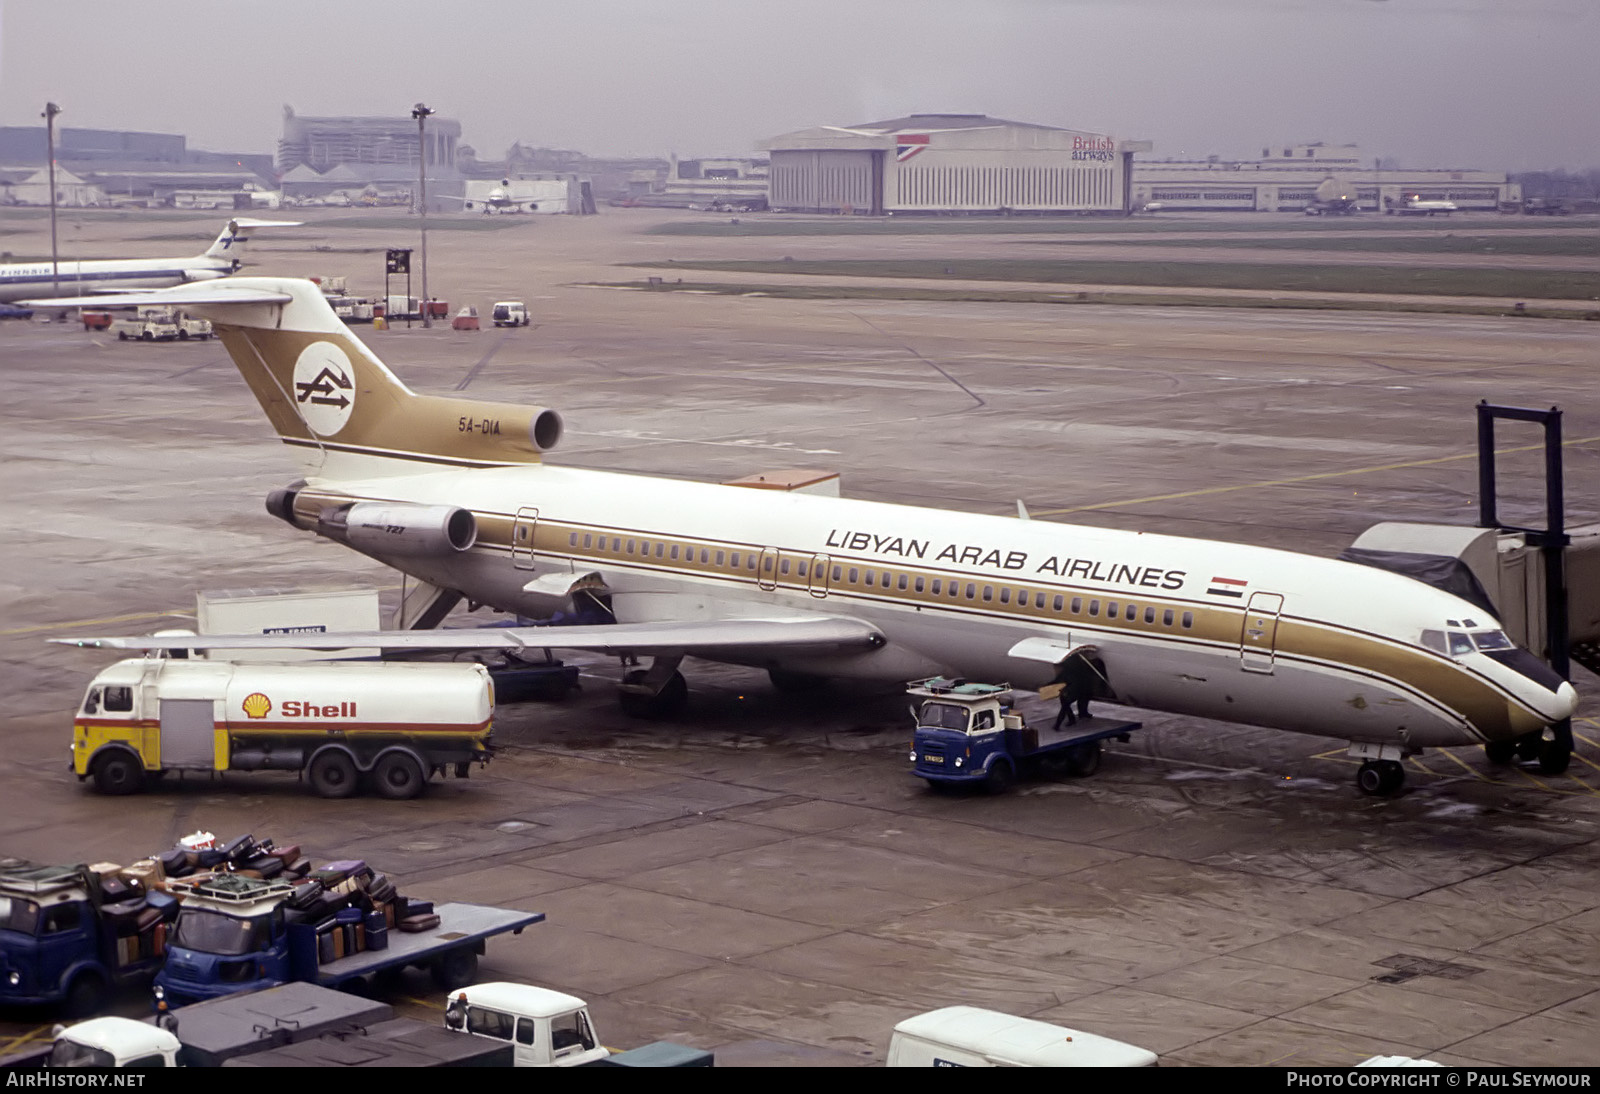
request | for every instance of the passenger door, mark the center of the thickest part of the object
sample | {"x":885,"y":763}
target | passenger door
{"x":1258,"y":636}
{"x":522,"y":530}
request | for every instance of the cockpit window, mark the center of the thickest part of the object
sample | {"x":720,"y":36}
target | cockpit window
{"x":1492,"y":640}
{"x":1459,"y":643}
{"x":1434,"y":640}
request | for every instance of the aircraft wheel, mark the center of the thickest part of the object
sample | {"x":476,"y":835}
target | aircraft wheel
{"x":333,"y":774}
{"x":1500,"y":753}
{"x":1530,"y":746}
{"x":1380,"y":778}
{"x":670,"y":700}
{"x":999,"y":778}
{"x":398,"y":776}
{"x":1554,"y":757}
{"x":1083,"y":760}
{"x":118,"y":772}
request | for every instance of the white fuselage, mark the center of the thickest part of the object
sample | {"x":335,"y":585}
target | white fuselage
{"x":1240,"y":633}
{"x":25,"y":280}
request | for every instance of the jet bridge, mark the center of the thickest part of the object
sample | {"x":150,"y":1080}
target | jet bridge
{"x":1541,"y":583}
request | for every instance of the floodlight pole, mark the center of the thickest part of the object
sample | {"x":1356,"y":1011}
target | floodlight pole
{"x":421,"y":112}
{"x":49,"y":116}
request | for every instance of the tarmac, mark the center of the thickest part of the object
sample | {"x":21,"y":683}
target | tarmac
{"x":764,"y":877}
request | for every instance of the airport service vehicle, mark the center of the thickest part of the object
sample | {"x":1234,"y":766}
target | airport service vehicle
{"x":396,"y":723}
{"x":341,"y":926}
{"x":80,"y":279}
{"x":190,"y":327}
{"x":466,"y":319}
{"x":70,"y":934}
{"x":95,"y":320}
{"x":510,"y":313}
{"x":150,"y":325}
{"x":972,"y":1037}
{"x":968,"y":734}
{"x":289,"y":1025}
{"x":551,"y":1029}
{"x":808,"y":585}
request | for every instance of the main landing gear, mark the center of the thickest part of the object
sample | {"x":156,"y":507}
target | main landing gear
{"x":654,"y":693}
{"x":1381,"y":773}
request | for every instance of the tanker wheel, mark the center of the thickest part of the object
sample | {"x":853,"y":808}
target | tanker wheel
{"x":118,"y":772}
{"x":398,"y":776}
{"x":333,"y":774}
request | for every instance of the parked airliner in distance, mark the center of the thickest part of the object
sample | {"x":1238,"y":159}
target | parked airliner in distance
{"x":225,"y":256}
{"x":455,"y":493}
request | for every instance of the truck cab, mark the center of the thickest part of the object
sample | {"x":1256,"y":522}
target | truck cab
{"x":961,"y":727}
{"x":545,"y":1028}
{"x":65,"y":939}
{"x":114,"y":1042}
{"x":232,"y":936}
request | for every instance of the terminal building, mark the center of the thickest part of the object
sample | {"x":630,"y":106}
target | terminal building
{"x":950,"y":164}
{"x":324,"y":143}
{"x":1286,"y":177}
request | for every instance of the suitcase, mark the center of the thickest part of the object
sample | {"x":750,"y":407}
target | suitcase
{"x":416,"y":924}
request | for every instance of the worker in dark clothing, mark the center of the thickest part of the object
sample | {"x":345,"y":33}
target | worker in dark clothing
{"x":1076,"y":677}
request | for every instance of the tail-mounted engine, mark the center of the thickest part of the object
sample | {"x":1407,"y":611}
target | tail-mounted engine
{"x":398,"y":528}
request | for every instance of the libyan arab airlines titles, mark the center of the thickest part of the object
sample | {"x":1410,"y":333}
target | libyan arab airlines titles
{"x":1097,"y":570}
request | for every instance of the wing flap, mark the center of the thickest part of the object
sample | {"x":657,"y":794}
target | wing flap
{"x":639,"y":638}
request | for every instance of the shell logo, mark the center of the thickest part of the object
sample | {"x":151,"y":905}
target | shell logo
{"x":256,"y":705}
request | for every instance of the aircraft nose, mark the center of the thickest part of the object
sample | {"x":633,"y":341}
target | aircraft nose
{"x":1566,"y":702}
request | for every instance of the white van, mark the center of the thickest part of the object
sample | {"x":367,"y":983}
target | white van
{"x":545,"y":1028}
{"x":972,"y":1037}
{"x":510,"y":313}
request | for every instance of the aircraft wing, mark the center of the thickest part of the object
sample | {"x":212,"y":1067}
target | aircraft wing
{"x":194,"y":292}
{"x":818,"y":632}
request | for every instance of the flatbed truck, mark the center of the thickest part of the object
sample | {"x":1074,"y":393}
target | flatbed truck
{"x":244,"y":934}
{"x":969,"y":734}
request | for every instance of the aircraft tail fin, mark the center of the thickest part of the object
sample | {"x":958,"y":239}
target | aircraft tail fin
{"x":337,"y":406}
{"x":236,"y":234}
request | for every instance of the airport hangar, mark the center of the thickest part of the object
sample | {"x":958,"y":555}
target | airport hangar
{"x":950,"y":164}
{"x":1285,"y":179}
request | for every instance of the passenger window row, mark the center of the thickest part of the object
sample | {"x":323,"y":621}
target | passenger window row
{"x":776,"y":563}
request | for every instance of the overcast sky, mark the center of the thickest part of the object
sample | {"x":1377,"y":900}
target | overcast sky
{"x":1494,"y":84}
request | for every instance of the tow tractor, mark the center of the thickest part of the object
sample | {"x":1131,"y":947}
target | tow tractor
{"x":971,"y":734}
